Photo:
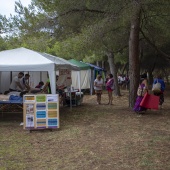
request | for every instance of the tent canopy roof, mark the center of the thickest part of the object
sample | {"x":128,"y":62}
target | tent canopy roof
{"x":81,"y":65}
{"x":61,"y":63}
{"x":20,"y":56}
{"x":22,"y":59}
{"x":95,"y":67}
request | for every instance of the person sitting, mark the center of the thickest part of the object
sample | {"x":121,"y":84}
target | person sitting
{"x":60,"y":91}
{"x":37,"y":88}
{"x":47,"y":87}
{"x":40,"y":85}
{"x":16,"y":83}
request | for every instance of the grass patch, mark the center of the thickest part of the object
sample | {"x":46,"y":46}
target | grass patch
{"x":91,"y":136}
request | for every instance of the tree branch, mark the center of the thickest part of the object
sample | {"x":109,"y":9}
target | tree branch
{"x":166,"y":56}
{"x":83,"y":10}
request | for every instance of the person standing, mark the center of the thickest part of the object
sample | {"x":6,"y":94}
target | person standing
{"x":142,"y":89}
{"x":25,"y":82}
{"x":98,"y":86}
{"x":158,"y":89}
{"x":110,"y":88}
{"x":16,"y":83}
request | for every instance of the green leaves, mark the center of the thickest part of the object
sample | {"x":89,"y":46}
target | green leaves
{"x":86,"y":29}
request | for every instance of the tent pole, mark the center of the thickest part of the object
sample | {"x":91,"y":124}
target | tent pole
{"x":79,"y":77}
{"x":52,"y":77}
{"x":70,"y":99}
{"x":92,"y":81}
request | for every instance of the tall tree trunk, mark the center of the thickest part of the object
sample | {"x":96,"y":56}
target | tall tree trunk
{"x":134,"y":70}
{"x":150,"y":71}
{"x":150,"y":77}
{"x":113,"y":71}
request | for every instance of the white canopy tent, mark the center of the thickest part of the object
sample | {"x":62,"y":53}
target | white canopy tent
{"x":22,"y":59}
{"x":84,"y":75}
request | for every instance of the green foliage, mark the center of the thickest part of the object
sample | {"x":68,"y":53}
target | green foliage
{"x":156,"y":20}
{"x":87,"y":29}
{"x":83,"y":29}
{"x":3,"y":44}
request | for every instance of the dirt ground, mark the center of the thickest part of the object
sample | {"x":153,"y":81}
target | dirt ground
{"x":91,"y":137}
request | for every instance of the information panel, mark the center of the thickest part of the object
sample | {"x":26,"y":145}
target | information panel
{"x":41,"y":111}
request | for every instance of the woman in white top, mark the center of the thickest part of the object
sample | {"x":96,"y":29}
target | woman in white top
{"x":98,"y":86}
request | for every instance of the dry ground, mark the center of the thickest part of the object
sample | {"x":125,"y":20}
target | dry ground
{"x":91,"y":137}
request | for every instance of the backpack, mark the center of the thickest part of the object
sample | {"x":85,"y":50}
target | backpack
{"x":156,"y":87}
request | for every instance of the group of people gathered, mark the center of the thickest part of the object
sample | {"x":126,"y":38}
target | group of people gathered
{"x":158,"y":88}
{"x":98,"y":87}
{"x":20,"y":83}
{"x":123,"y":81}
{"x":142,"y":89}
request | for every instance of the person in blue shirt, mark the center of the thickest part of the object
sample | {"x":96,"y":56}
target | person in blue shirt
{"x":160,"y":93}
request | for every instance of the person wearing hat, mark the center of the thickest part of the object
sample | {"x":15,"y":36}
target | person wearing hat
{"x":98,"y":86}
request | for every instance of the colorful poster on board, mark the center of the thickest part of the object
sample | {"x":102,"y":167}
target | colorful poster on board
{"x":41,"y":112}
{"x":41,"y":123}
{"x":40,"y":106}
{"x":41,"y":98}
{"x":52,"y":123}
{"x":52,"y":98}
{"x":29,"y":121}
{"x":30,"y":109}
{"x":29,"y":98}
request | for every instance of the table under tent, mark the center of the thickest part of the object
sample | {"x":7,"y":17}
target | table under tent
{"x":25,"y":60}
{"x":88,"y":73}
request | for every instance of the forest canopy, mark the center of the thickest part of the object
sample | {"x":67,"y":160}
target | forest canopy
{"x":129,"y":35}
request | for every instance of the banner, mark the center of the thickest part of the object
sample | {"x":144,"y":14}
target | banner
{"x":64,"y":78}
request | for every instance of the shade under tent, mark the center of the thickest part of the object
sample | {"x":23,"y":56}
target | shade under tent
{"x":22,"y":59}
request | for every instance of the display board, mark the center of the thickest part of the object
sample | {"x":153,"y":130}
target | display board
{"x":64,"y":78}
{"x":41,"y":111}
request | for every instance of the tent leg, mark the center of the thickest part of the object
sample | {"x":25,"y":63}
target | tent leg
{"x":70,"y":100}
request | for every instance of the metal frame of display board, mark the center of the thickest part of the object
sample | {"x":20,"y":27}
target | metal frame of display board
{"x":41,"y":112}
